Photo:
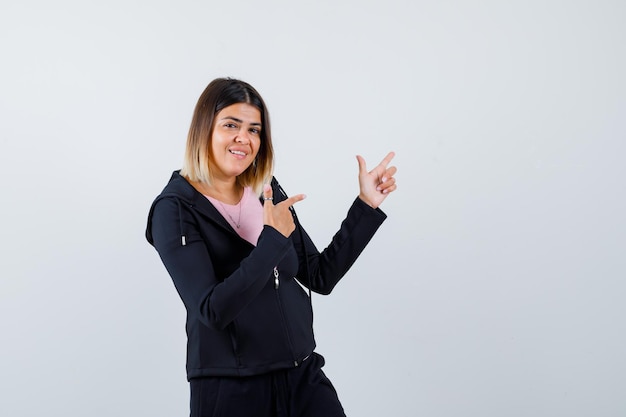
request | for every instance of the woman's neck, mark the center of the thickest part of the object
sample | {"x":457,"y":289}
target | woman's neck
{"x":229,"y":192}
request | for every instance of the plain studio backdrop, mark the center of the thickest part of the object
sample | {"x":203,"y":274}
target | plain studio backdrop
{"x":496,"y":286}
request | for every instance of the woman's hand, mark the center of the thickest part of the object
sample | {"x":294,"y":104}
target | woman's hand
{"x":376,"y":184}
{"x":278,"y":215}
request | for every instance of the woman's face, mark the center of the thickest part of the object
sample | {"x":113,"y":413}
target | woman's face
{"x":235,"y":141}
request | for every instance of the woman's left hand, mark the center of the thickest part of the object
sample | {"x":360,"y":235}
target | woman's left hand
{"x":376,"y":184}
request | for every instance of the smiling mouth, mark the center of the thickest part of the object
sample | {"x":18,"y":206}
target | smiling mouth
{"x":238,"y":153}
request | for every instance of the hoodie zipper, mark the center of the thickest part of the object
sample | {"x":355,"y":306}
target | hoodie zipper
{"x":282,"y":315}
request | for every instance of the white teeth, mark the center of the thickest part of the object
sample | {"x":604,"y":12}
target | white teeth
{"x":238,"y":153}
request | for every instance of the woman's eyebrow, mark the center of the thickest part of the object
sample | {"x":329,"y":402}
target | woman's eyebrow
{"x":234,"y":119}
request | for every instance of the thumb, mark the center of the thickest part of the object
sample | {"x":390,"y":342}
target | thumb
{"x":362,"y":166}
{"x":267,"y":193}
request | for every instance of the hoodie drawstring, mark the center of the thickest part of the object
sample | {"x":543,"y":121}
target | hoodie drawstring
{"x":183,"y":238}
{"x":303,"y":245}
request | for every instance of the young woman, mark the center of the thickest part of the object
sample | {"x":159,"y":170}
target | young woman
{"x":229,"y":238}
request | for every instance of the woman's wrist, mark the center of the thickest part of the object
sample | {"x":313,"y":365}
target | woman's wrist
{"x":366,"y":201}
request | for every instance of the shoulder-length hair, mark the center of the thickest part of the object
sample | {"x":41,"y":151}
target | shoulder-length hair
{"x":221,"y":93}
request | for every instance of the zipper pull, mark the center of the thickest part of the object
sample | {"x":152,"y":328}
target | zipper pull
{"x":276,"y":282}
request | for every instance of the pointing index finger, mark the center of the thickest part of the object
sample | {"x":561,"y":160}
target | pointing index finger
{"x":294,"y":199}
{"x":387,"y":159}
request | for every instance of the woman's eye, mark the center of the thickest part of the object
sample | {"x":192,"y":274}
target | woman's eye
{"x":255,"y":130}
{"x":230,"y":125}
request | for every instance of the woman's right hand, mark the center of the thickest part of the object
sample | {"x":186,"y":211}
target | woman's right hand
{"x":278,"y":215}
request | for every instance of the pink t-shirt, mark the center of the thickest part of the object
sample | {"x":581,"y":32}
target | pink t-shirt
{"x":246,"y":218}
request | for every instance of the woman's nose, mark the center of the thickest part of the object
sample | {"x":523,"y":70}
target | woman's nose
{"x":242,"y":137}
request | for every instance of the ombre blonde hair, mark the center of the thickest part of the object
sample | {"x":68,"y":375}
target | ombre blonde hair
{"x":219,"y":94}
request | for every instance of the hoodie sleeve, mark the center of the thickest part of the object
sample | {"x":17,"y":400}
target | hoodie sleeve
{"x":328,"y":267}
{"x":216,"y":302}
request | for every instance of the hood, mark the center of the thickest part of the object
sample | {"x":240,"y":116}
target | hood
{"x":183,"y":192}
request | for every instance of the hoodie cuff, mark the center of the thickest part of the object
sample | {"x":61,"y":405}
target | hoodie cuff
{"x":273,"y":238}
{"x":367,"y":209}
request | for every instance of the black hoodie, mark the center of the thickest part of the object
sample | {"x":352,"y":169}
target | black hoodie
{"x":246,"y":314}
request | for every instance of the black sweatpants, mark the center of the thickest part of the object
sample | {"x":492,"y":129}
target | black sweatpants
{"x":299,"y":392}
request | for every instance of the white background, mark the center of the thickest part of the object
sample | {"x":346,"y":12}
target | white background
{"x":496,"y":286}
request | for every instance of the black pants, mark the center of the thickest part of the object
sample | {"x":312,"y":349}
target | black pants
{"x":299,"y":392}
